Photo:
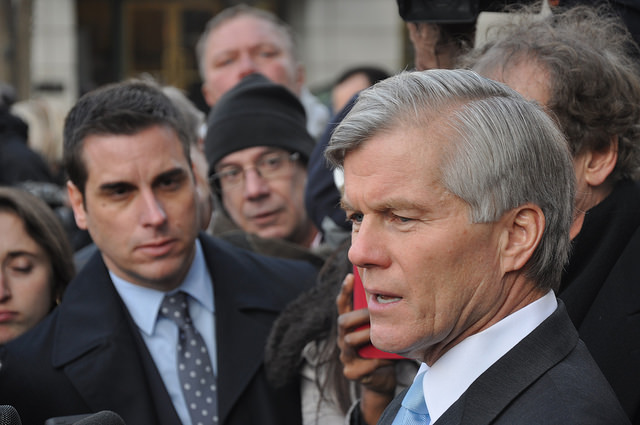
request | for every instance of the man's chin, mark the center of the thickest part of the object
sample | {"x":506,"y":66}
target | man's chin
{"x":163,"y":275}
{"x":272,"y":232}
{"x":385,"y":341}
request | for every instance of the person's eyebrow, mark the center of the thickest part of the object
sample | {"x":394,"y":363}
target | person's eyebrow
{"x":169,"y":174}
{"x":20,"y":253}
{"x":111,"y":186}
{"x":345,"y":205}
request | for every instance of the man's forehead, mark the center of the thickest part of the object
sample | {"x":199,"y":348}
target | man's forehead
{"x":401,"y":154}
{"x":248,"y":154}
{"x":269,"y":32}
{"x":525,"y":74}
{"x":113,"y":153}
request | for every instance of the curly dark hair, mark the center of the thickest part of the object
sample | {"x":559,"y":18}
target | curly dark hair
{"x":594,"y":75}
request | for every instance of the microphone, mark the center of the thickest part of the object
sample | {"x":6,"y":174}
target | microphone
{"x":104,"y":417}
{"x":9,"y":415}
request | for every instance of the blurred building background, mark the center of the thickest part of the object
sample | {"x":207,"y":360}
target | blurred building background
{"x":59,"y":49}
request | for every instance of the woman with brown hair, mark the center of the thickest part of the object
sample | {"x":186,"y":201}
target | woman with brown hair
{"x":36,"y":261}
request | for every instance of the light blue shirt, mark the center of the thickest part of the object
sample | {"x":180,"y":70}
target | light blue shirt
{"x":161,"y":334}
{"x":450,"y":376}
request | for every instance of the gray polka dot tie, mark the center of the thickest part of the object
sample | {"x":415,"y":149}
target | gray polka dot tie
{"x":194,"y":365}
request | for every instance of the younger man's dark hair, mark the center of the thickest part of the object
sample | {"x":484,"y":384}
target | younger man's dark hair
{"x":124,"y":108}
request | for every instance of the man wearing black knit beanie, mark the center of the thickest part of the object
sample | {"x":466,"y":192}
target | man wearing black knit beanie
{"x":257,"y":147}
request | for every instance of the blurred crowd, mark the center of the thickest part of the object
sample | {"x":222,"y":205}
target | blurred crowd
{"x":265,"y":217}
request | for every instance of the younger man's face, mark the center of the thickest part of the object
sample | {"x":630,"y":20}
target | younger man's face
{"x":139,"y":205}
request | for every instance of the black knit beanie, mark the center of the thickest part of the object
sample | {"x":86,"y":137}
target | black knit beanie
{"x":256,"y":112}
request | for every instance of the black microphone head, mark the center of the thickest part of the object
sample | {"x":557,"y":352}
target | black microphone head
{"x":9,"y":415}
{"x":105,"y":417}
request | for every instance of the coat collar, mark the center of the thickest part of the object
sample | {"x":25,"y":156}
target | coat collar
{"x":95,"y":340}
{"x":246,"y":305}
{"x":94,"y":343}
{"x":541,"y":350}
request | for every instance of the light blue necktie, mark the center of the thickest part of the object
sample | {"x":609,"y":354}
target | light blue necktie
{"x":414,"y":409}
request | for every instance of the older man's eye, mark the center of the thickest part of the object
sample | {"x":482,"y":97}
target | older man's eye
{"x":230,"y":174}
{"x":355,"y":217}
{"x":268,"y":52}
{"x":272,"y":162}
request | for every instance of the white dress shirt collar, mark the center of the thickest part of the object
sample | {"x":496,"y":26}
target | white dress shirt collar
{"x":450,"y":376}
{"x":144,"y":303}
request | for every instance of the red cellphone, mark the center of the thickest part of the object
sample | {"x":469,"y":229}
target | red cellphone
{"x":360,"y":301}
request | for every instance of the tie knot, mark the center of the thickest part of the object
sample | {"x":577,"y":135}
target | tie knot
{"x":414,"y":399}
{"x":175,"y":307}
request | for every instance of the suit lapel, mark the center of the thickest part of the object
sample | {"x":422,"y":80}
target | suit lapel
{"x":505,"y":380}
{"x":392,"y":409}
{"x":245,"y":311}
{"x":108,"y":352}
{"x":94,"y":344}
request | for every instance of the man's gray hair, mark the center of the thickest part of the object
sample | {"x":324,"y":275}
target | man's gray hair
{"x":505,"y":151}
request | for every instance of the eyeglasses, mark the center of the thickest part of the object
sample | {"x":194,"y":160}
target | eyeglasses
{"x":270,"y":166}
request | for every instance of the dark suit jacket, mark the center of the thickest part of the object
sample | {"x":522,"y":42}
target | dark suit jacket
{"x":601,"y":289}
{"x":547,"y":378}
{"x":88,"y":355}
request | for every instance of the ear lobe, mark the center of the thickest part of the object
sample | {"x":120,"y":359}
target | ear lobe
{"x":524,"y":228}
{"x":77,"y":204}
{"x":600,"y":164}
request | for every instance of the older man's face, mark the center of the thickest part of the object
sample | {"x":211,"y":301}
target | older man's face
{"x":246,"y":45}
{"x":431,"y":276}
{"x":271,"y":206}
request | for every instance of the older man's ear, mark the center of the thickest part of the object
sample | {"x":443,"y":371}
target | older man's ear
{"x":523,"y":228}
